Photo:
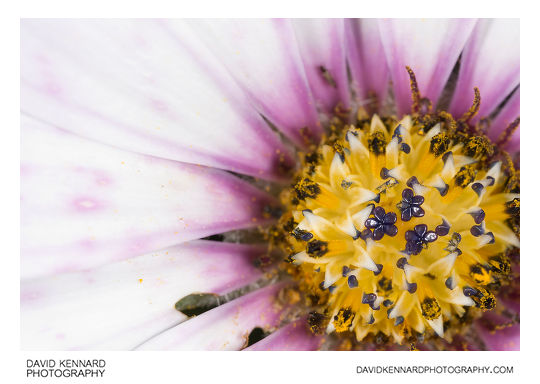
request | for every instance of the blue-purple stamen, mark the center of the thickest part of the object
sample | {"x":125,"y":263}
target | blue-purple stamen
{"x":371,"y":320}
{"x":411,"y":287}
{"x":401,"y":262}
{"x":387,"y":302}
{"x":399,"y":320}
{"x":477,"y":230}
{"x":412,"y":182}
{"x":382,"y":223}
{"x":490,"y":234}
{"x":478,"y":216}
{"x":397,"y":133}
{"x":379,"y":269}
{"x":468,"y":291}
{"x":443,"y":190}
{"x":449,"y":283}
{"x":352,"y":281}
{"x":419,"y":239}
{"x":345,"y":270}
{"x":404,"y":147}
{"x":410,"y":205}
{"x":446,"y":156}
{"x":368,"y":298}
{"x":300,"y":234}
{"x":442,"y":229}
{"x":366,"y":234}
{"x":478,"y":188}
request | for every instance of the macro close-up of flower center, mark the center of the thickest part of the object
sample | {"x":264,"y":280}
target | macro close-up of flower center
{"x":276,"y":184}
{"x":401,"y":227}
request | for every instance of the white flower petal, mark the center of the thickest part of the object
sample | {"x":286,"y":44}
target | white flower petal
{"x":121,"y":305}
{"x":430,"y":47}
{"x":85,"y":204}
{"x":263,"y":58}
{"x":146,"y":86}
{"x":490,"y":62}
{"x":322,"y":45}
{"x":226,"y":327}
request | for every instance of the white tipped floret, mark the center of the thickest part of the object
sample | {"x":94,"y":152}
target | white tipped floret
{"x":437,"y":325}
{"x":411,"y":272}
{"x":495,"y":171}
{"x":398,"y":172}
{"x":377,"y":125}
{"x":443,"y":266}
{"x":360,"y":217}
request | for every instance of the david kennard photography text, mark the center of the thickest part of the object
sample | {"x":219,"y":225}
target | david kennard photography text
{"x":65,"y":368}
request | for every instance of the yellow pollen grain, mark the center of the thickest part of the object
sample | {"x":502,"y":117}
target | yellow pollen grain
{"x":430,"y":308}
{"x":343,"y":320}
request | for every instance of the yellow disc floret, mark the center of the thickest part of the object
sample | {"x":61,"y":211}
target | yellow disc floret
{"x":394,"y":228}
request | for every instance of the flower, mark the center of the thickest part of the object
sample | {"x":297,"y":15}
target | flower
{"x":141,"y":137}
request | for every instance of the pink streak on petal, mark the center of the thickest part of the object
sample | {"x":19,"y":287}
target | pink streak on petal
{"x":490,"y":61}
{"x":506,"y":116}
{"x":263,"y":58}
{"x":322,"y":43}
{"x":295,"y":336}
{"x":430,"y":47}
{"x":366,"y":57}
{"x":225,"y":327}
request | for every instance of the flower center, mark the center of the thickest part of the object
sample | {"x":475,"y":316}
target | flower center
{"x":400,"y":228}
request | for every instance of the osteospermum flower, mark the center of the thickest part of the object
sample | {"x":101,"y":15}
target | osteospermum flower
{"x":270,"y":184}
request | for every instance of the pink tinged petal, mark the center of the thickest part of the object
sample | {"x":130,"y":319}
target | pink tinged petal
{"x":85,"y":204}
{"x":145,"y":86}
{"x":263,"y":58}
{"x":226,"y":327}
{"x":295,"y":336}
{"x":490,"y":62}
{"x":504,"y":118}
{"x":505,"y":339}
{"x":430,"y":47}
{"x":366,"y":58}
{"x":121,"y":305}
{"x":322,"y":44}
